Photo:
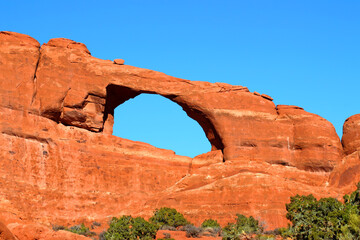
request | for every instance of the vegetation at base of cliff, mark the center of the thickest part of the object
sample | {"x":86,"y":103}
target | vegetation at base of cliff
{"x":210,"y":223}
{"x":169,"y":217}
{"x":164,"y":218}
{"x":192,"y":231}
{"x":127,"y":227}
{"x":211,"y":228}
{"x":243,"y":225}
{"x":312,"y":219}
{"x":81,"y":230}
{"x":78,"y":229}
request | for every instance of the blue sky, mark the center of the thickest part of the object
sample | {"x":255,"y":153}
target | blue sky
{"x":304,"y":53}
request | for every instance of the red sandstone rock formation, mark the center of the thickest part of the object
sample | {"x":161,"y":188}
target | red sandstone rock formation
{"x":61,"y":165}
{"x":351,"y":136}
{"x":346,"y":174}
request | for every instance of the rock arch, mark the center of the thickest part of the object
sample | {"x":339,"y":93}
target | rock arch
{"x":72,"y":87}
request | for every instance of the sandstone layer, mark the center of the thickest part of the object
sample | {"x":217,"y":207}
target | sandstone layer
{"x":60,"y":163}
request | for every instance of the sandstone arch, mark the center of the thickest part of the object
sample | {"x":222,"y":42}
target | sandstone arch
{"x":239,"y":123}
{"x":68,"y":85}
{"x":56,"y":103}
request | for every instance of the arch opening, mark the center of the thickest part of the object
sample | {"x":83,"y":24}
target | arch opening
{"x":195,"y":120}
{"x":160,"y":122}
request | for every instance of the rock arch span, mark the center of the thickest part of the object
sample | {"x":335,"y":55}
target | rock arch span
{"x":241,"y":124}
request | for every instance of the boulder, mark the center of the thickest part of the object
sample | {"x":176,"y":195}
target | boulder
{"x":119,"y":61}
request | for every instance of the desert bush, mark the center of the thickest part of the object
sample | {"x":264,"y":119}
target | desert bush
{"x":248,"y":224}
{"x":130,"y":228}
{"x":314,"y":219}
{"x":211,"y":228}
{"x":230,"y":232}
{"x":210,"y":223}
{"x":352,"y":229}
{"x":326,"y":218}
{"x":243,"y":225}
{"x":211,"y":232}
{"x":192,"y":231}
{"x":81,"y":230}
{"x":169,"y":217}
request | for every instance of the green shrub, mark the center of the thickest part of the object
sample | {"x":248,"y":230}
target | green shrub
{"x":168,"y":216}
{"x":314,"y":219}
{"x":353,"y":199}
{"x":130,"y":228}
{"x":284,"y":232}
{"x":352,"y":229}
{"x":326,"y":218}
{"x":248,"y":224}
{"x":243,"y":225}
{"x":210,"y":223}
{"x":230,"y":232}
{"x":81,"y":230}
{"x":211,"y":228}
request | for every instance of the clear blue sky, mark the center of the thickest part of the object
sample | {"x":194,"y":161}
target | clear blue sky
{"x":304,"y":53}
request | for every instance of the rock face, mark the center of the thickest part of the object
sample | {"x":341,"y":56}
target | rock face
{"x":56,"y":116}
{"x":5,"y":233}
{"x":351,"y":136}
{"x":347,"y":173}
{"x":38,"y":232}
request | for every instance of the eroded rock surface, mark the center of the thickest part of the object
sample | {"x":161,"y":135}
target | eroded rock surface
{"x":61,"y":165}
{"x":5,"y":233}
{"x":351,"y":135}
